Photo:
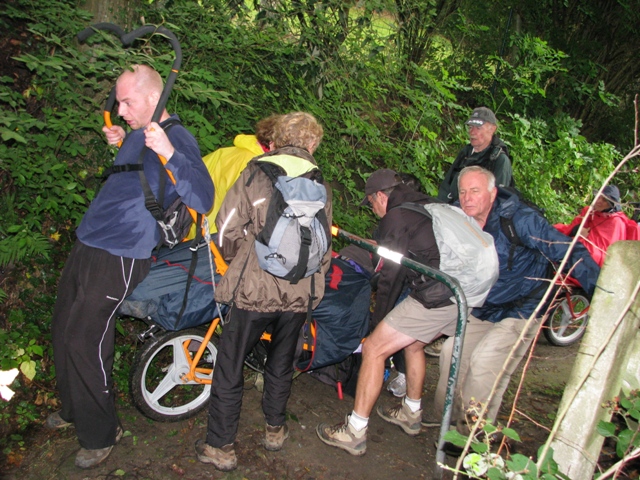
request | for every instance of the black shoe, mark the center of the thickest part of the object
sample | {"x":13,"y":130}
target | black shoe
{"x":450,"y":449}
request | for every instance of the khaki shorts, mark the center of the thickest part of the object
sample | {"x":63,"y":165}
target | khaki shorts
{"x":424,"y":324}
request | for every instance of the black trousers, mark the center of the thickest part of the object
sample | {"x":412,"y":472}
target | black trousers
{"x":239,"y":336}
{"x":92,"y":286}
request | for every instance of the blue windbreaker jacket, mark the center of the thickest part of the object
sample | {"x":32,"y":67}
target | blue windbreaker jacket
{"x":520,"y":288}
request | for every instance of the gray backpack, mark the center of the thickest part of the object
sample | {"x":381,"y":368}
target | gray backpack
{"x":295,"y":236}
{"x":467,"y":253}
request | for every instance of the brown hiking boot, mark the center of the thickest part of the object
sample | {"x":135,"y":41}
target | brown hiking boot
{"x":430,"y":419}
{"x":402,"y":416}
{"x":55,"y":421}
{"x":275,"y":436}
{"x":89,"y":458}
{"x":344,"y":436}
{"x":223,"y":458}
{"x":434,"y":348}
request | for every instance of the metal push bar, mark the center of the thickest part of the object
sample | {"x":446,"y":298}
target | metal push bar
{"x":461,"y":302}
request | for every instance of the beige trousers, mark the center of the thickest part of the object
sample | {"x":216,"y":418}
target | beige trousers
{"x":485,"y":348}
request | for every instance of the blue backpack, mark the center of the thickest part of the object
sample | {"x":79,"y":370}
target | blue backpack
{"x":341,"y":319}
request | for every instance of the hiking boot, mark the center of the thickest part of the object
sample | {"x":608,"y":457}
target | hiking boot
{"x":223,"y":458}
{"x":89,"y":458}
{"x":55,"y":421}
{"x":398,"y":386}
{"x":344,"y":436}
{"x":430,"y":419}
{"x":434,"y":348}
{"x":402,"y":416}
{"x":275,"y":436}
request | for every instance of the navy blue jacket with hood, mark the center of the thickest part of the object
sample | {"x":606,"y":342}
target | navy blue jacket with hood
{"x":519,"y":288}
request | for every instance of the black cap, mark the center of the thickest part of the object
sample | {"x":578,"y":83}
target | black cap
{"x":481,"y":115}
{"x":380,"y":180}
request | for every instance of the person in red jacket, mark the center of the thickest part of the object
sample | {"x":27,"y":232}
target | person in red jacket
{"x":606,"y":224}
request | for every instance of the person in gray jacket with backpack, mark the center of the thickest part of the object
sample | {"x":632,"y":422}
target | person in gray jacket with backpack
{"x":259,"y":299}
{"x":425,"y":314}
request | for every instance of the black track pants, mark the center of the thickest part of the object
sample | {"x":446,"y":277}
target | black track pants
{"x":92,"y":286}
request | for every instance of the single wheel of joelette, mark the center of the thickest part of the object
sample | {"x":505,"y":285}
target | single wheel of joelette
{"x":566,"y":323}
{"x":157,"y":382}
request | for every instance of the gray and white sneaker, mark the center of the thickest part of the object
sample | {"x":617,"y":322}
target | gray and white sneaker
{"x":398,"y":386}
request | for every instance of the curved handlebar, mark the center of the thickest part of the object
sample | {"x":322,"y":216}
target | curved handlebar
{"x":175,"y":68}
{"x":108,"y":107}
{"x":127,"y":39}
{"x":87,"y":32}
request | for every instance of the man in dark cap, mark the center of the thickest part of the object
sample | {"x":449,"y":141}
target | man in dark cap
{"x":485,"y":149}
{"x":606,"y":224}
{"x":425,"y":314}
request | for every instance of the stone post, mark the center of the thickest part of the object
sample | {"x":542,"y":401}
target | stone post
{"x":596,"y":379}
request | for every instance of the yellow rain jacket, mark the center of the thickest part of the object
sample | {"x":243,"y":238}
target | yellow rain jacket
{"x":224,"y":166}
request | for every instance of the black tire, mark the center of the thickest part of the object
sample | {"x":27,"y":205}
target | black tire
{"x":561,"y":328}
{"x":155,"y":381}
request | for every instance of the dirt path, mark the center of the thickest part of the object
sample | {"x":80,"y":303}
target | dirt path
{"x":155,"y":450}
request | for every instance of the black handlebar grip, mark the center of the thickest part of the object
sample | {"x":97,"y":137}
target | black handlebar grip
{"x":111,"y":100}
{"x":87,"y":32}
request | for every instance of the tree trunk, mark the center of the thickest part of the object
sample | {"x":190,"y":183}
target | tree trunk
{"x":119,"y":12}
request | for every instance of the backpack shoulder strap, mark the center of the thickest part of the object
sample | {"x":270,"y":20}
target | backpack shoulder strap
{"x":509,"y":229}
{"x":498,"y":149}
{"x":271,"y":170}
{"x":137,"y":167}
{"x":127,"y":167}
{"x":415,"y":207}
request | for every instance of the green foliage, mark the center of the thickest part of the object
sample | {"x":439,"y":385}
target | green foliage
{"x":21,"y":347}
{"x":234,"y":74}
{"x":482,"y":463}
{"x":522,"y":81}
{"x":39,"y":153}
{"x":626,"y":410}
{"x":125,"y":350}
{"x":554,"y":165}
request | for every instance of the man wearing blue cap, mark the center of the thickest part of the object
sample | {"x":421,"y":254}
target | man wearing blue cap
{"x":485,"y":149}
